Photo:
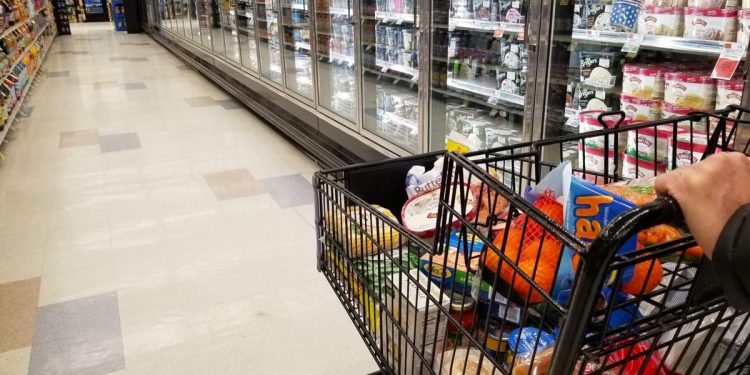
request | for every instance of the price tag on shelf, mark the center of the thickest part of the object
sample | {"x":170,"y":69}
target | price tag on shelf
{"x":728,"y":61}
{"x":592,"y":33}
{"x":521,"y":35}
{"x":385,"y":68}
{"x":451,"y":26}
{"x":494,"y":98}
{"x":632,"y":44}
{"x":415,"y":77}
{"x":500,"y":30}
{"x":399,"y":21}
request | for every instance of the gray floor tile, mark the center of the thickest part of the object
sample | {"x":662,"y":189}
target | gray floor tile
{"x":81,"y":355}
{"x":97,"y":316}
{"x":142,"y":44}
{"x":229,"y":104}
{"x":59,"y":73}
{"x":184,"y":67}
{"x":133,"y":86}
{"x":119,"y":142}
{"x":289,"y":191}
{"x":77,"y":138}
{"x":138,"y":59}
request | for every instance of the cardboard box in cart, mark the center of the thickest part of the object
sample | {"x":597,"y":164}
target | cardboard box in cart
{"x":413,"y":310}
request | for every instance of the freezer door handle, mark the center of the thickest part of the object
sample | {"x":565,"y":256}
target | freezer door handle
{"x":531,"y":47}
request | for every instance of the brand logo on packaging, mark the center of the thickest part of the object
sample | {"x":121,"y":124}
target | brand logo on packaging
{"x":650,"y":19}
{"x":700,"y":22}
{"x":437,"y":271}
{"x":734,"y":96}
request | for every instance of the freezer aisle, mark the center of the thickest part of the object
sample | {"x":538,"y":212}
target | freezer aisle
{"x":142,"y":231}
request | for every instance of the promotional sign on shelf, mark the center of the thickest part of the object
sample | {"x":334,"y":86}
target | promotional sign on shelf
{"x":728,"y":61}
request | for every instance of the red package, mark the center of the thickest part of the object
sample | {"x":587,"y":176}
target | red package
{"x":636,"y":366}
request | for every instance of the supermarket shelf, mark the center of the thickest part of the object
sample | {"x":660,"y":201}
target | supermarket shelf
{"x":501,"y":106}
{"x":484,"y":88}
{"x":295,"y":6}
{"x":17,"y":26}
{"x":671,"y":43}
{"x":24,"y":93}
{"x":398,"y":17}
{"x":398,"y":68}
{"x":302,"y":45}
{"x":485,"y":25}
{"x":24,"y":53}
{"x":336,"y":11}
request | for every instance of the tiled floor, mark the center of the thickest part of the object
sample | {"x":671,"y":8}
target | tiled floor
{"x":152,"y":225}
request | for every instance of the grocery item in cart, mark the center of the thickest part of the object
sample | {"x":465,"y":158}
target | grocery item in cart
{"x":728,"y":92}
{"x":625,"y":14}
{"x":650,"y":143}
{"x":695,"y":90}
{"x":588,"y":121}
{"x":419,"y":213}
{"x":599,"y":69}
{"x":464,"y":361}
{"x":639,"y":110}
{"x":411,"y":307}
{"x":419,"y":180}
{"x":743,"y":26}
{"x":645,"y":81}
{"x":526,"y":342}
{"x":689,"y":149}
{"x":349,"y":231}
{"x":656,"y":20}
{"x":592,"y":159}
{"x":631,"y":360}
{"x":634,"y":167}
{"x":449,"y":270}
{"x":711,"y":24}
{"x":597,"y":15}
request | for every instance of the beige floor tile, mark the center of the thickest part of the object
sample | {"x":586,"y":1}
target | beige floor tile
{"x":68,"y":286}
{"x":21,"y":267}
{"x":59,"y":260}
{"x":18,"y":302}
{"x":15,"y":362}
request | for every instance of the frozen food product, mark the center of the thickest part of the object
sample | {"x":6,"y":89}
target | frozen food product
{"x":669,"y":3}
{"x":625,"y":14}
{"x":464,"y":361}
{"x":712,"y":3}
{"x":597,"y":15}
{"x":743,"y":26}
{"x":419,"y":180}
{"x":687,"y":150}
{"x":588,"y":121}
{"x":592,"y":159}
{"x":639,"y":110}
{"x":644,"y":81}
{"x":512,"y":11}
{"x":657,"y":20}
{"x":633,"y":167}
{"x":599,"y":69}
{"x":649,"y":143}
{"x":695,"y":90}
{"x":590,"y":98}
{"x":511,"y":82}
{"x":350,"y":229}
{"x":670,"y":110}
{"x":420,"y":213}
{"x":711,"y":23}
{"x":513,"y":54}
{"x":728,"y":92}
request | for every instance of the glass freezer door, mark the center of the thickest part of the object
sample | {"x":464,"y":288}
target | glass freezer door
{"x":480,"y":66}
{"x":652,"y":62}
{"x":228,"y":11}
{"x":335,"y":49}
{"x":390,"y":71}
{"x":246,"y":32}
{"x":268,"y":36}
{"x":297,"y":62}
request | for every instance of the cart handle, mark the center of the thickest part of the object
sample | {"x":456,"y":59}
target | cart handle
{"x":662,"y":210}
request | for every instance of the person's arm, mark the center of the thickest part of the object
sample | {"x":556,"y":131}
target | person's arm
{"x":731,"y":259}
{"x":714,"y":196}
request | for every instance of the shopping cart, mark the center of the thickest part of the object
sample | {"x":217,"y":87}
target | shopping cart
{"x":471,"y":305}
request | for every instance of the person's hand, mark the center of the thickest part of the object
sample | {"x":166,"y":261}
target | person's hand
{"x":709,"y":193}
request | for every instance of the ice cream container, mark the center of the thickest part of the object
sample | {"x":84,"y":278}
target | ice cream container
{"x":511,"y":54}
{"x":710,"y":24}
{"x":712,"y":3}
{"x":595,"y":99}
{"x":625,"y":15}
{"x":633,"y":167}
{"x":649,"y":143}
{"x":592,"y":159}
{"x":599,"y":69}
{"x":657,"y":20}
{"x":419,"y":214}
{"x":639,"y":110}
{"x":643,"y":81}
{"x":743,"y":26}
{"x":695,"y":90}
{"x":745,"y":4}
{"x":588,"y":121}
{"x":511,"y":82}
{"x":671,"y":110}
{"x":728,"y":92}
{"x":597,"y":15}
{"x":687,"y":151}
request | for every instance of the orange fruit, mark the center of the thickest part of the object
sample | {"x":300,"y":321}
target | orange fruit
{"x":658,"y":234}
{"x":550,"y":250}
{"x":642,"y":280}
{"x":694,"y":253}
{"x":543,"y":276}
{"x":550,"y":207}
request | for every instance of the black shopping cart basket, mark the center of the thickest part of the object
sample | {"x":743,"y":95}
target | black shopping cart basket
{"x":484,"y":291}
